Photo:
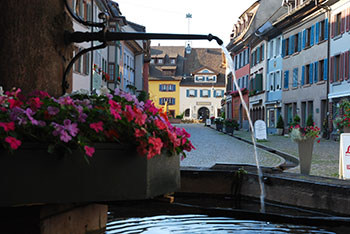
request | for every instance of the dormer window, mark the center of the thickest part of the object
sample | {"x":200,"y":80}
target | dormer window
{"x":199,"y":78}
{"x":172,"y":61}
{"x":211,"y":78}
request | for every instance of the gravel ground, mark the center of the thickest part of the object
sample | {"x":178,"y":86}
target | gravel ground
{"x":216,"y":147}
{"x":325,"y":158}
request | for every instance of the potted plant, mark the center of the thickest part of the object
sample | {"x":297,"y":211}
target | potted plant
{"x":230,"y":125}
{"x":61,"y":149}
{"x":343,"y":122}
{"x":280,"y":125}
{"x":219,"y":123}
{"x":305,"y":138}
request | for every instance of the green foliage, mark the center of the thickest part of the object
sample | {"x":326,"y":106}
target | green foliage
{"x":181,"y":116}
{"x":309,"y":121}
{"x":280,"y":122}
{"x":231,"y":123}
{"x":143,"y":96}
{"x":219,"y":120}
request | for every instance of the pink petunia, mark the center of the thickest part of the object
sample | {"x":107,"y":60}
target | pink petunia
{"x":14,"y":143}
{"x":97,"y":126}
{"x":139,"y":133}
{"x":89,"y":150}
{"x":8,"y":126}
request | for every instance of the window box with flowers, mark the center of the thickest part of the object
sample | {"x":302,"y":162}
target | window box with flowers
{"x":219,"y":123}
{"x":86,"y":148}
{"x":230,"y":125}
{"x":305,"y":138}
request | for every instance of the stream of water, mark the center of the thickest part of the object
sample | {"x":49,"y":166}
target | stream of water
{"x":260,"y":175}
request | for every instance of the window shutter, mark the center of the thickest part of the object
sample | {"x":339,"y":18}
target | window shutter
{"x":187,"y":93}
{"x":312,"y":32}
{"x":283,"y":48}
{"x":173,"y":101}
{"x":325,"y":69}
{"x":160,"y":101}
{"x":331,"y":78}
{"x":347,"y":19}
{"x":201,"y":93}
{"x":160,"y":87}
{"x":299,"y":41}
{"x":316,"y":71}
{"x":262,"y":52}
{"x":304,"y":39}
{"x":302,"y":75}
{"x":174,"y":87}
{"x":341,"y":66}
{"x":326,"y":29}
{"x":333,"y":25}
{"x":195,"y":93}
{"x":342,"y":26}
{"x":286,"y":79}
{"x":214,"y":92}
{"x":292,"y":44}
{"x":209,"y":93}
{"x":257,"y":56}
{"x":346,"y":75}
{"x":222,"y":93}
{"x":311,"y":72}
{"x":317,"y":32}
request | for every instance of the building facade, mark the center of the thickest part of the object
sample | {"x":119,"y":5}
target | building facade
{"x":339,"y":86}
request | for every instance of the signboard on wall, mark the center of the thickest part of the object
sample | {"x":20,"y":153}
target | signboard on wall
{"x":344,"y":156}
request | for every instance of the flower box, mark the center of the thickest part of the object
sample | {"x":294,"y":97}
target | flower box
{"x":32,"y":176}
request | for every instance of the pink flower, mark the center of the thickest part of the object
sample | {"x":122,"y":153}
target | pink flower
{"x":89,"y":150}
{"x":129,"y":113}
{"x":140,"y":117}
{"x":97,"y":126}
{"x":8,"y":126}
{"x":160,"y":124}
{"x":139,"y":133}
{"x":14,"y":143}
{"x":155,"y":147}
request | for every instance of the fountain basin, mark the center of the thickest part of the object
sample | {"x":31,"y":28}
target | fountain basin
{"x":311,"y":192}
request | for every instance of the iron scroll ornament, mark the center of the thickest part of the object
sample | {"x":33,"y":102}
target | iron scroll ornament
{"x":104,"y":36}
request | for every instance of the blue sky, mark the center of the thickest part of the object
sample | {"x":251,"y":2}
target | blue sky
{"x":163,"y":16}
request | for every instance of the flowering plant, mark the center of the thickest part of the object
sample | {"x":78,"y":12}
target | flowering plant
{"x":344,"y":120}
{"x":80,"y":120}
{"x":231,"y":123}
{"x":299,"y":134}
{"x":219,"y":120}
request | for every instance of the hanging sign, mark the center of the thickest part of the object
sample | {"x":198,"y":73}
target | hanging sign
{"x":344,"y":156}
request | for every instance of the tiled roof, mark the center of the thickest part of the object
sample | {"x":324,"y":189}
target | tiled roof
{"x":167,"y":78}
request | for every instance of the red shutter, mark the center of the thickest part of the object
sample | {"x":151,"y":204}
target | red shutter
{"x":341,"y":67}
{"x":333,"y":25}
{"x":331,"y":77}
{"x":347,"y":19}
{"x":346,"y":76}
{"x":342,"y":26}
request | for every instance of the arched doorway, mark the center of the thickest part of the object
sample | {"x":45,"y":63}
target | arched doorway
{"x":203,"y":113}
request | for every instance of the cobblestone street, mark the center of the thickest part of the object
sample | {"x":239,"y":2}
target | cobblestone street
{"x":216,"y":147}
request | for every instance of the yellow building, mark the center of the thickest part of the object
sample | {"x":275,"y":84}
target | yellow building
{"x":165,"y":90}
{"x":165,"y":74}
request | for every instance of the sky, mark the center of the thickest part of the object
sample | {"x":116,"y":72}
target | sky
{"x":163,"y":16}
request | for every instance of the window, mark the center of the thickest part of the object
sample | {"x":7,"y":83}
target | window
{"x":321,"y":29}
{"x":286,"y":47}
{"x":262,"y":52}
{"x":199,"y":78}
{"x":219,"y":93}
{"x":205,"y":93}
{"x":295,"y":77}
{"x":271,"y":82}
{"x":211,"y":78}
{"x":111,"y":71}
{"x":243,"y":60}
{"x":191,"y":93}
{"x":337,"y":29}
{"x":296,"y":43}
{"x":160,"y":61}
{"x":170,"y":101}
{"x":278,"y":80}
{"x":307,"y":74}
{"x":152,"y":61}
{"x":271,"y":49}
{"x":278,"y":46}
{"x":308,"y":37}
{"x":187,"y":112}
{"x":172,"y":61}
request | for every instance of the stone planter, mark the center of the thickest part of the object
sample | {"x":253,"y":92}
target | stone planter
{"x":219,"y":126}
{"x":305,"y":149}
{"x":346,"y":129}
{"x":279,"y":131}
{"x":229,"y":130}
{"x":32,"y":176}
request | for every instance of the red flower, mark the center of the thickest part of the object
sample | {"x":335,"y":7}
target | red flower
{"x":97,"y":126}
{"x":8,"y":126}
{"x":14,"y":143}
{"x":89,"y":150}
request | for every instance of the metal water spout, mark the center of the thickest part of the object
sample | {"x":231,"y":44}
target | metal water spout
{"x":105,"y":36}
